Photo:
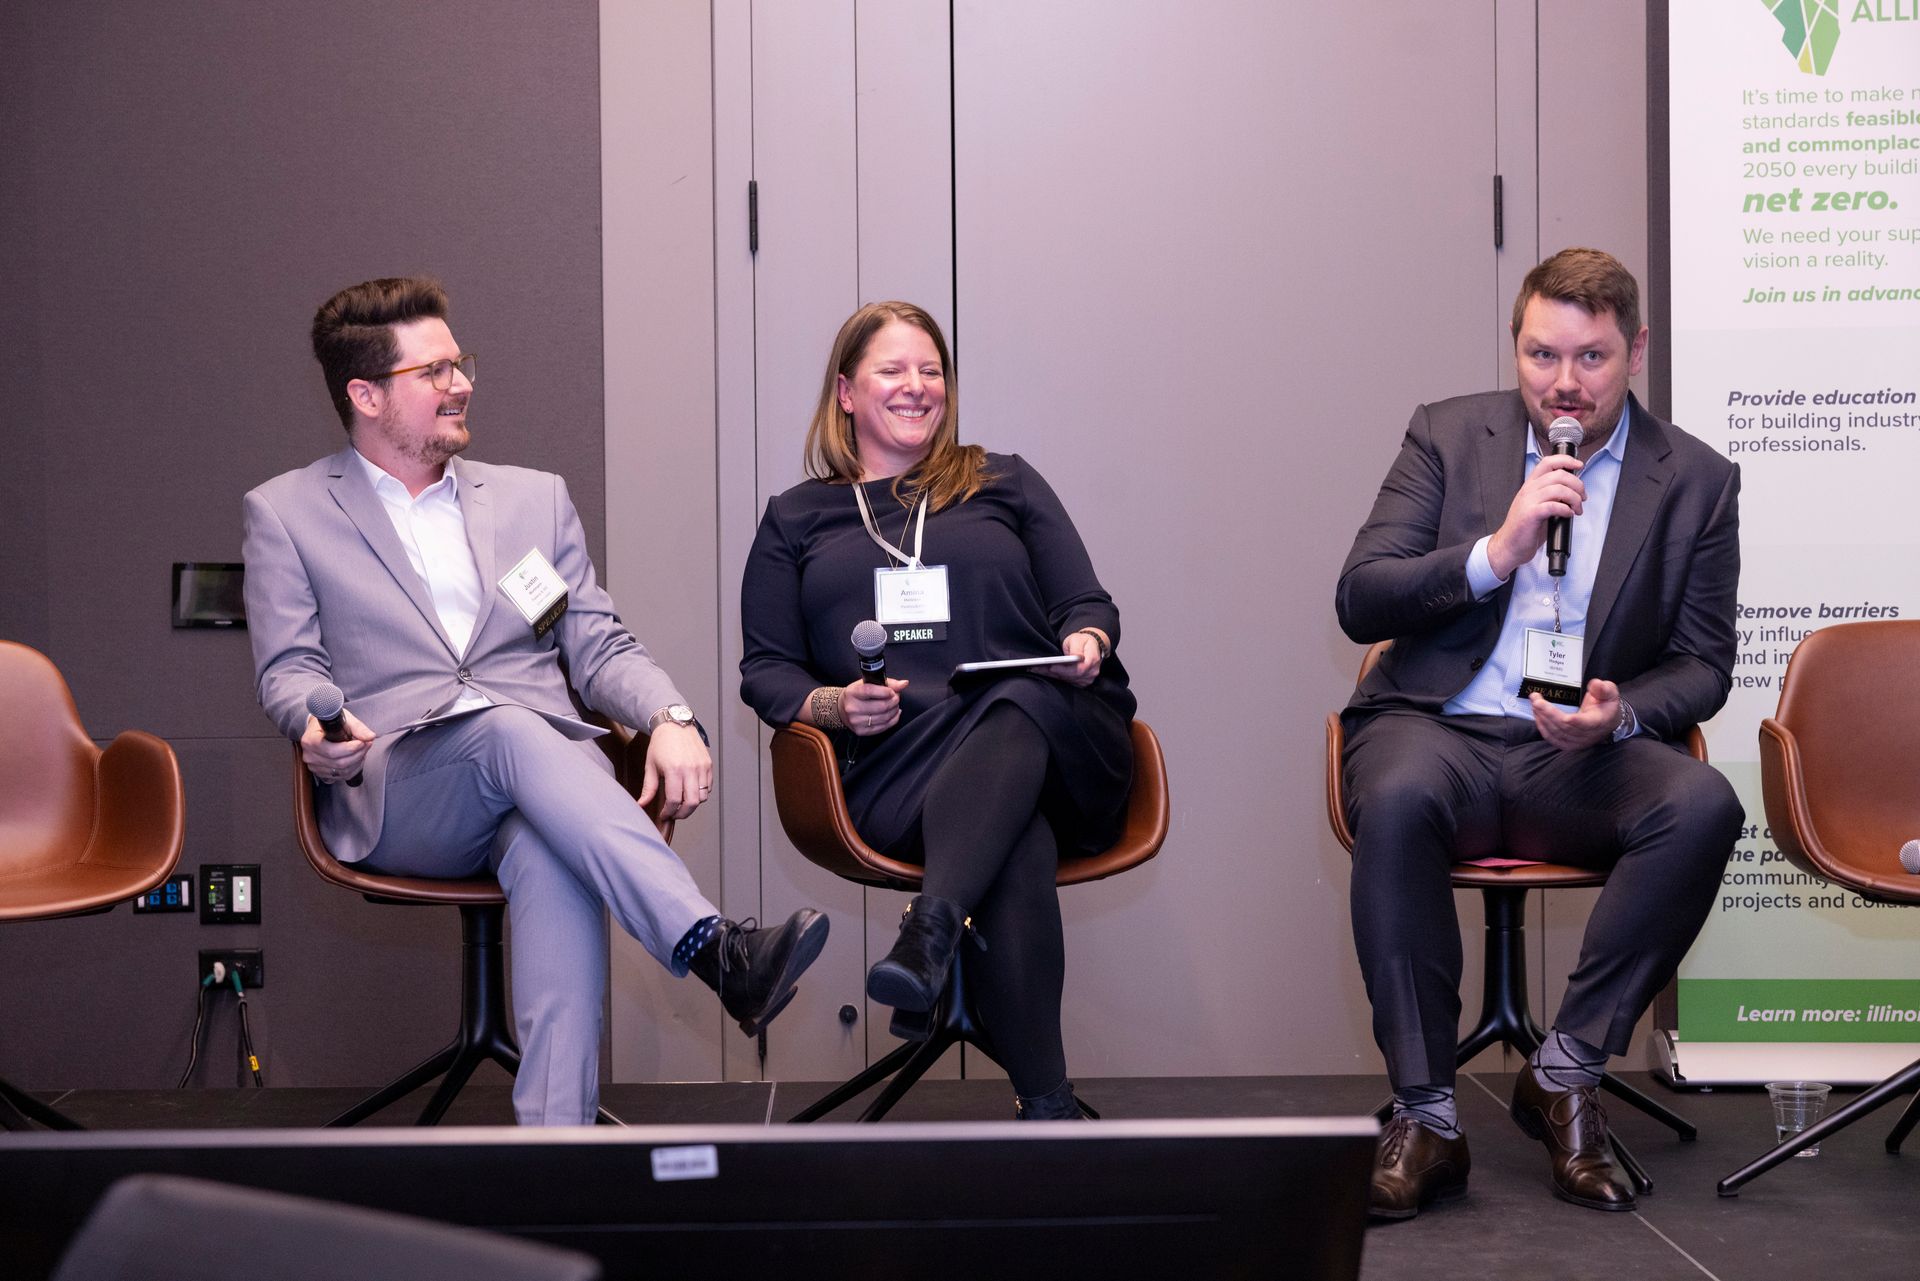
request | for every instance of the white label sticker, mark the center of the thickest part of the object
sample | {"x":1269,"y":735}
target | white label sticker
{"x":673,"y":1164}
{"x":532,"y":586}
{"x":911,"y":595}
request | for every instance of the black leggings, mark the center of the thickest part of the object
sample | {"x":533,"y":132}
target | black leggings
{"x":988,"y":848}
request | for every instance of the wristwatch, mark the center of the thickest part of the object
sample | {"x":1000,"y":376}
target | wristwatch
{"x":678,"y":713}
{"x":1628,"y":725}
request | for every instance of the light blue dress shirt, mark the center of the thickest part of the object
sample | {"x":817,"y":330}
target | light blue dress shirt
{"x":1495,"y":688}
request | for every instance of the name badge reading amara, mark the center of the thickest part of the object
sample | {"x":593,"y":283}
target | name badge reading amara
{"x":912,"y":603}
{"x":536,"y":591}
{"x":1553,"y":665}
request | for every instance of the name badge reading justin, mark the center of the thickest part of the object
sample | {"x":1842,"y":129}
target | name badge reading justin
{"x":1553,"y":665}
{"x":912,"y":602}
{"x":536,"y":591}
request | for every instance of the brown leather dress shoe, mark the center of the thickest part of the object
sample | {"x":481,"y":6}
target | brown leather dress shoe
{"x":1573,"y":1125}
{"x":1413,"y":1166}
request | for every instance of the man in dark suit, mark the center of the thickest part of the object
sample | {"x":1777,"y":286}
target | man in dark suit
{"x":1537,"y":715}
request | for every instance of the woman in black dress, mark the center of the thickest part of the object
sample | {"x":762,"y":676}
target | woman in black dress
{"x":981,"y":781}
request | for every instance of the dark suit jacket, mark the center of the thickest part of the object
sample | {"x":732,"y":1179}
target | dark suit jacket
{"x":1661,"y":620}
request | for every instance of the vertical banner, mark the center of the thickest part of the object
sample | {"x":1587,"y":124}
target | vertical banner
{"x":1793,"y":169}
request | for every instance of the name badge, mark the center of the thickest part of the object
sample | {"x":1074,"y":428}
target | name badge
{"x":1553,"y":665}
{"x":537,"y":591}
{"x":912,"y":603}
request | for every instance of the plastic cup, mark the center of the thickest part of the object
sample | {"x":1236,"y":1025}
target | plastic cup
{"x":1797,"y":1105}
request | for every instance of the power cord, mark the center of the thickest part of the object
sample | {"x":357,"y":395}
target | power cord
{"x":219,"y":974}
{"x":199,"y":1024}
{"x":246,"y":1032}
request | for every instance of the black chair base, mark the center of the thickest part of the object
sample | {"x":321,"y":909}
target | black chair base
{"x":954,"y":1023}
{"x":21,"y":1111}
{"x":1506,"y":1018}
{"x":1893,"y":1087}
{"x":485,"y":1032}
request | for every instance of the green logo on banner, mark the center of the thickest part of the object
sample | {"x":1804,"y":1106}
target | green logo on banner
{"x":1809,"y":29}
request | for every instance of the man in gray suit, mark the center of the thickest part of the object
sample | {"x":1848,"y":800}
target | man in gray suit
{"x":454,"y":603}
{"x":1535,"y":706}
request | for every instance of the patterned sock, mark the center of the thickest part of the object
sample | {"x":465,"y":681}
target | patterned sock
{"x":1432,"y":1106}
{"x":1565,"y":1062}
{"x":691,"y":942}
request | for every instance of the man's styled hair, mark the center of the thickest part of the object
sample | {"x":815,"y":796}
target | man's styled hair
{"x":353,"y":330}
{"x":1590,"y":279}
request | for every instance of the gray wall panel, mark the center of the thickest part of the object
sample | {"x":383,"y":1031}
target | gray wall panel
{"x":1203,"y":297}
{"x":185,"y":182}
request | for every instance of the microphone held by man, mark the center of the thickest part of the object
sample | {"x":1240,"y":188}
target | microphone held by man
{"x":1563,"y":438}
{"x":327,"y":705}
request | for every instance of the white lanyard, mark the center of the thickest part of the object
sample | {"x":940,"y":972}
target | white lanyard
{"x":873,"y":530}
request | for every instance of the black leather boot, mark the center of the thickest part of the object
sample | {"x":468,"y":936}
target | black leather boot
{"x":911,"y":976}
{"x":755,"y":970}
{"x":1057,"y":1104}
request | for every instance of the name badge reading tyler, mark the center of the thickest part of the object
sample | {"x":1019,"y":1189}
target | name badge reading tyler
{"x":1553,"y":665}
{"x":536,"y":591}
{"x":912,"y":603}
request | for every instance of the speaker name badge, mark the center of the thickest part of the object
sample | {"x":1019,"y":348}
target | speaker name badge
{"x":911,"y":601}
{"x":1552,"y":666}
{"x":537,"y":591}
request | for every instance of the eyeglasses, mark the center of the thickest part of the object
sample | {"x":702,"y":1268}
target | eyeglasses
{"x":439,"y":372}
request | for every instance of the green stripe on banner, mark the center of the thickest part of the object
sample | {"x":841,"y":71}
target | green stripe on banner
{"x":1840,"y":1010}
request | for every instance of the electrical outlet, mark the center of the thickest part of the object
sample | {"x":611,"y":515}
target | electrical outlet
{"x":252,"y":966}
{"x":175,"y":894}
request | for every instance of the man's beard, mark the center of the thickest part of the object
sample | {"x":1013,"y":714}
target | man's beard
{"x":435,"y":450}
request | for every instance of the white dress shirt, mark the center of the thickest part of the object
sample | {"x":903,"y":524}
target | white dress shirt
{"x":433,"y":529}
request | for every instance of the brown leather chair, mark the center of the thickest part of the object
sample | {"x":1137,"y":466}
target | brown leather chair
{"x":81,"y":829}
{"x":485,"y":1031}
{"x":1505,"y":1015}
{"x":813,"y":810}
{"x":1838,"y":762}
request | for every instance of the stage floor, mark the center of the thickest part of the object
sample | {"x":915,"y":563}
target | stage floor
{"x":1852,"y":1212}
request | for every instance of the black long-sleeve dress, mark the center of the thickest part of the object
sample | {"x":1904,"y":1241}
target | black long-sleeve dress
{"x":1019,"y":582}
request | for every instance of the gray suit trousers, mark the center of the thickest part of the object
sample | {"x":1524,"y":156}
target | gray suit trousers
{"x":1424,"y":792}
{"x":501,"y":789}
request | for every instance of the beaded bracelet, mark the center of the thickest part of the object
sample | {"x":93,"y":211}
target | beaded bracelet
{"x":1100,"y":643}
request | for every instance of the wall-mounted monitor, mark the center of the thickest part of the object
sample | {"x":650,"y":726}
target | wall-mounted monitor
{"x":209,"y":594}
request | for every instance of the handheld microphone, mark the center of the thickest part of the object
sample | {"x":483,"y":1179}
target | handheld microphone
{"x":1910,"y":857}
{"x":870,"y":643}
{"x":326,"y":704}
{"x":1563,"y":437}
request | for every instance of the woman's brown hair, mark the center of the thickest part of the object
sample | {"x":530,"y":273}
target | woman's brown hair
{"x":950,"y":473}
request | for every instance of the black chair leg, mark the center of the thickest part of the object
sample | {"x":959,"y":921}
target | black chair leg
{"x":875,"y":1072}
{"x":1904,"y":1126}
{"x":415,"y":1077}
{"x":953,"y":1024}
{"x":1630,"y":1165}
{"x":20,"y":1110}
{"x":1885,"y":1092}
{"x":469,"y":1058}
{"x":485,"y":1032}
{"x":924,"y":1056}
{"x":1652,"y":1107}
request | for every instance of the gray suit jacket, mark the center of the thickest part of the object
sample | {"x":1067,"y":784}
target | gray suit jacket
{"x":1661,"y":620}
{"x":331,"y":596}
